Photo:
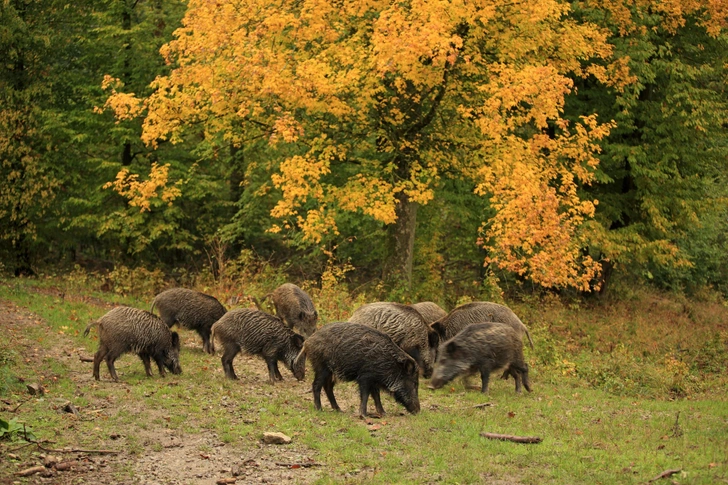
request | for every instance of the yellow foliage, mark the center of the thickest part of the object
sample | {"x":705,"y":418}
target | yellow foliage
{"x":398,"y":93}
{"x":141,"y":193}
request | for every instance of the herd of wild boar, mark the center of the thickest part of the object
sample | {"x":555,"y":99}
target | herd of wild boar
{"x":382,"y":346}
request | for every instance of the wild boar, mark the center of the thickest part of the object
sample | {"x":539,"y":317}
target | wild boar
{"x":352,"y":352}
{"x":431,"y":312}
{"x":483,"y":347}
{"x":190,"y":309}
{"x":478,"y":312}
{"x":405,"y":326}
{"x":258,"y":333}
{"x":126,"y":329}
{"x":295,"y":307}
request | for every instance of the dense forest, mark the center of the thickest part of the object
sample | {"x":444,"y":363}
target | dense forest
{"x":433,"y":148}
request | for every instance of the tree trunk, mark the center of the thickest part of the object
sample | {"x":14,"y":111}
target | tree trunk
{"x":398,"y":270}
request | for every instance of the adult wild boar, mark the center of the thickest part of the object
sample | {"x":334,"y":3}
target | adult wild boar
{"x":126,"y":329}
{"x":295,"y":307}
{"x":258,"y":333}
{"x":352,"y":352}
{"x":405,"y":326}
{"x":478,"y":312}
{"x":483,"y":347}
{"x":431,"y":312}
{"x":190,"y":309}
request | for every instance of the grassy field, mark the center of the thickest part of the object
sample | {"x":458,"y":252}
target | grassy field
{"x":622,"y":392}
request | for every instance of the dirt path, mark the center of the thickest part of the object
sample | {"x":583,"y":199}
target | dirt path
{"x":155,"y":454}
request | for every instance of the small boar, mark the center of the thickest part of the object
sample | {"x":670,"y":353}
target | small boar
{"x":353,"y":352}
{"x":431,"y":312}
{"x":258,"y":333}
{"x":126,"y":329}
{"x":405,"y":326}
{"x":483,"y":347}
{"x":478,"y":312}
{"x":190,"y":309}
{"x":295,"y":307}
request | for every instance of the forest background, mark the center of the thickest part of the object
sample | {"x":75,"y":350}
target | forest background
{"x":421,"y":150}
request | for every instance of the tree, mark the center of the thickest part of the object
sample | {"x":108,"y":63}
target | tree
{"x":662,"y":171}
{"x":368,"y":105}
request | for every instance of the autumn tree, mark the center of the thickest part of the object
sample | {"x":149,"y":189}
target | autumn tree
{"x":368,"y":105}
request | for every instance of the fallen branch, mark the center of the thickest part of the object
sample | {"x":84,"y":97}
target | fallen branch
{"x":70,"y":450}
{"x":666,"y":474}
{"x":515,"y":439}
{"x":66,"y":465}
{"x":484,"y":405}
{"x":21,"y":403}
{"x":85,"y":359}
{"x":30,"y":471}
{"x":300,"y":465}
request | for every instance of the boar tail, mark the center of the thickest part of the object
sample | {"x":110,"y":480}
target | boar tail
{"x":94,"y":323}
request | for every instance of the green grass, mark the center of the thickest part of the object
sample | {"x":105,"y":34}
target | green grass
{"x":589,"y":435}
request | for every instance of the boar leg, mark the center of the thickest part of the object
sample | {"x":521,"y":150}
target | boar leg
{"x":110,"y":358}
{"x":273,"y":372}
{"x":277,"y":371}
{"x":318,"y":382}
{"x":377,"y":402}
{"x":484,"y":378}
{"x":160,"y":365}
{"x":365,"y":390}
{"x":206,"y":345}
{"x":147,"y":364}
{"x":329,"y":388}
{"x":231,"y":350}
{"x":98,"y":357}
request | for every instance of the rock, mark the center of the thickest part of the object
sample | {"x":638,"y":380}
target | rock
{"x":50,"y":460}
{"x":275,"y":438}
{"x":35,"y":389}
{"x":70,"y":408}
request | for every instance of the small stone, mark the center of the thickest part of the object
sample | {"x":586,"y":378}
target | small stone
{"x":50,"y":460}
{"x":35,"y":389}
{"x":13,"y":456}
{"x":275,"y":438}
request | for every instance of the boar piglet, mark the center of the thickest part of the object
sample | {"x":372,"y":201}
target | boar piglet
{"x":190,"y":309}
{"x":126,"y":329}
{"x":258,"y":333}
{"x":485,"y":348}
{"x":353,"y":352}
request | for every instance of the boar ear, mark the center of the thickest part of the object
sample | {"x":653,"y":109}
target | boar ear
{"x":438,"y":327}
{"x":175,"y":340}
{"x":301,"y":316}
{"x":298,"y":340}
{"x":315,"y":314}
{"x":433,"y":338}
{"x":410,"y":367}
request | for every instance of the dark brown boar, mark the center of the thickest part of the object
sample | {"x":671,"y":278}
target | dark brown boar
{"x":258,"y":333}
{"x":478,"y":312}
{"x":295,"y":307}
{"x":405,"y":326}
{"x":352,"y":352}
{"x":126,"y":329}
{"x":190,"y":309}
{"x":483,"y":347}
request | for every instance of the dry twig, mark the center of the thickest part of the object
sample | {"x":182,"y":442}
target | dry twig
{"x":515,"y":439}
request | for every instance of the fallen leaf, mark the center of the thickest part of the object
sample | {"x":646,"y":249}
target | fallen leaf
{"x":511,"y":414}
